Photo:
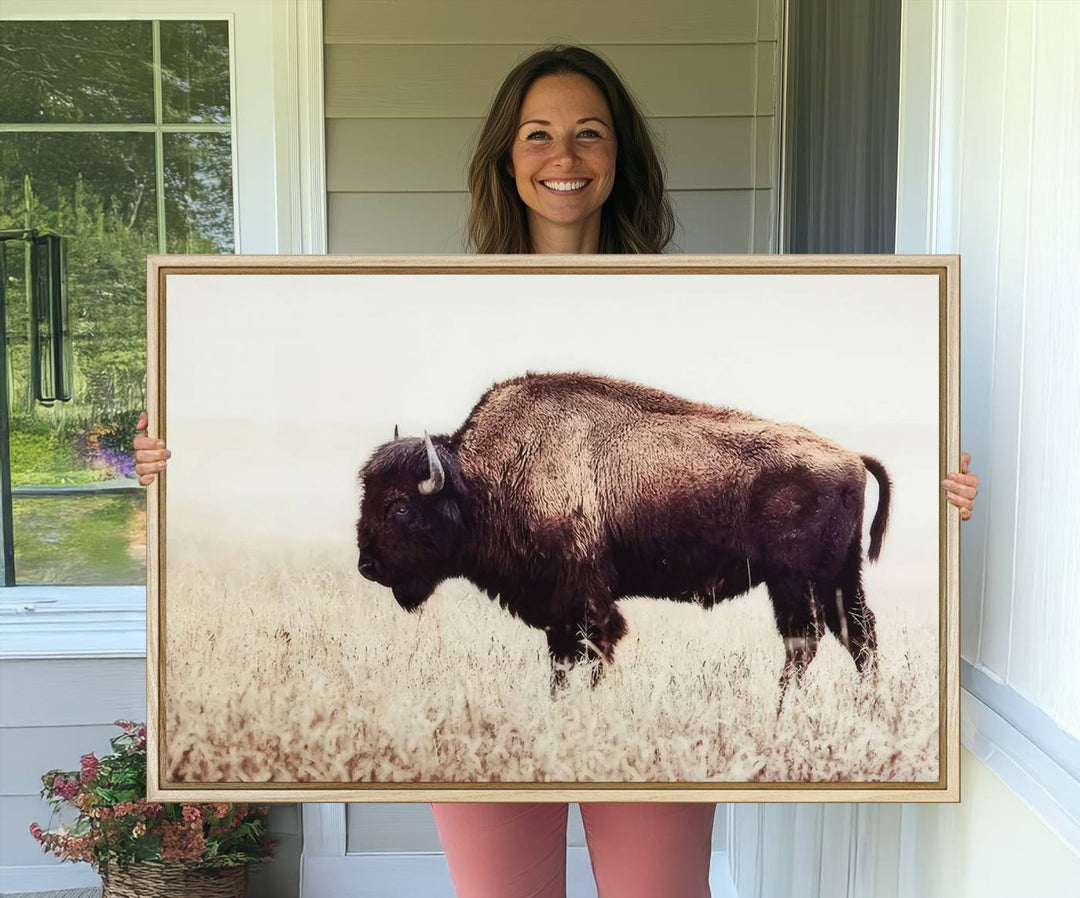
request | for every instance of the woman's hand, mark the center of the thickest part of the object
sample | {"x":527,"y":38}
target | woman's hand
{"x":150,"y":454}
{"x":962,"y":488}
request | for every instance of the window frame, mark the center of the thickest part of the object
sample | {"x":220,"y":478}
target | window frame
{"x":276,"y":95}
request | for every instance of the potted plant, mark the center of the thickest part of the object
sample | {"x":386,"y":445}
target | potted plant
{"x":141,"y":847}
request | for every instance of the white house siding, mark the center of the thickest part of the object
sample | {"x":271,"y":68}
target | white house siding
{"x":408,"y":84}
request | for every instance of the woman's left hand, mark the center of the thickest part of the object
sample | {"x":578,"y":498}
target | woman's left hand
{"x":962,"y":487}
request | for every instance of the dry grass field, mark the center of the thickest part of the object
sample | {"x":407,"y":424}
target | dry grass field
{"x":304,"y":672}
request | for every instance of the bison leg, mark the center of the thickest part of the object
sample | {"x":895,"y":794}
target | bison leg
{"x":800,"y":621}
{"x":563,"y":648}
{"x":848,"y":615}
{"x":593,"y":635}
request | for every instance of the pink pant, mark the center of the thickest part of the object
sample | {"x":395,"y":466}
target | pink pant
{"x":518,"y":850}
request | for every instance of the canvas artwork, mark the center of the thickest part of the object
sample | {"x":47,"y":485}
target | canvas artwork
{"x":518,"y":528}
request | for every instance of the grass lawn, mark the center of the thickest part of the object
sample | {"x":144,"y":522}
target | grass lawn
{"x":81,"y":539}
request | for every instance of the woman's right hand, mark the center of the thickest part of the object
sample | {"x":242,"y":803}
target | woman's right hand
{"x":150,"y":453}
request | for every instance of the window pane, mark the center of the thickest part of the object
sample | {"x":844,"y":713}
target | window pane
{"x":198,"y":193}
{"x":98,"y":190}
{"x":76,"y":72}
{"x":195,"y":71}
{"x":84,"y":540}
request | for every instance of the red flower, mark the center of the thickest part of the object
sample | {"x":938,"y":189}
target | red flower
{"x":36,"y":831}
{"x":89,"y":768}
{"x":192,"y":814}
{"x":65,"y":788}
{"x":181,"y":842}
{"x":150,"y":808}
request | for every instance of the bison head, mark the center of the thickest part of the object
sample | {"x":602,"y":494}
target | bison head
{"x":411,"y":527}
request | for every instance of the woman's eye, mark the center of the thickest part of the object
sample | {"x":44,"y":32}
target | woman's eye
{"x":589,"y":132}
{"x":533,"y":134}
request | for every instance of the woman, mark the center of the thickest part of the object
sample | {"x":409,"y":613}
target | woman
{"x":565,"y":164}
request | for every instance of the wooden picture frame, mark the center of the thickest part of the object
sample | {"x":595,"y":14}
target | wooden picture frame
{"x":263,"y":372}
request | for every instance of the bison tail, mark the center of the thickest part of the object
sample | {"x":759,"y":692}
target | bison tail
{"x":881,"y":516}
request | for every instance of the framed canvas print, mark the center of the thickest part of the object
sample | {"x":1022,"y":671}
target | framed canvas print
{"x":554,"y":528}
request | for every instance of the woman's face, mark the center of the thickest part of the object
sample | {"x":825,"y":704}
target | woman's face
{"x":563,"y":154}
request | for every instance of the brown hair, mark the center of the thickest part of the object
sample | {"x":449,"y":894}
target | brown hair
{"x":636,"y":218}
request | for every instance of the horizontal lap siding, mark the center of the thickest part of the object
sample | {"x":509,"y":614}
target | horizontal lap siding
{"x":709,"y":221}
{"x":460,"y":80}
{"x":52,"y":713}
{"x":408,"y":84}
{"x":529,"y":23}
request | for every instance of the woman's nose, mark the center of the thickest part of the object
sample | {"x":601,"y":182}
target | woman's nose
{"x":564,"y":149}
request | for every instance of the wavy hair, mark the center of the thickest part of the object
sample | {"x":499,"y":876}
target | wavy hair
{"x":637,"y":216}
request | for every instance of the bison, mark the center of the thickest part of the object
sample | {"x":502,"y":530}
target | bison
{"x":562,"y":493}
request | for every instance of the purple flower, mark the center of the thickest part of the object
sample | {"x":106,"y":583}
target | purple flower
{"x":119,"y":462}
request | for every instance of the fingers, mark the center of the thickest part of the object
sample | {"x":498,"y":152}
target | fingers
{"x":967,"y":488}
{"x":960,"y":501}
{"x":961,"y":487}
{"x":149,"y":467}
{"x":150,"y":453}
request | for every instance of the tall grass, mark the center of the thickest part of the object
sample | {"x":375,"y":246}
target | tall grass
{"x":306,"y":673}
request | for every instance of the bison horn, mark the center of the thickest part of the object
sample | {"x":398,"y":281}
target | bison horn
{"x":435,"y":481}
{"x":395,"y":432}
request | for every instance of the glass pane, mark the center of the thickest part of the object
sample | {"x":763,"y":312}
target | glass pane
{"x":198,"y":193}
{"x":195,"y":71}
{"x":84,"y":539}
{"x":98,"y":190}
{"x":76,"y":72}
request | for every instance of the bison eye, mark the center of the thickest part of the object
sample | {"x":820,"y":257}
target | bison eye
{"x":400,"y":508}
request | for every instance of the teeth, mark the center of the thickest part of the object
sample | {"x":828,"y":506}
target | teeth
{"x":564,"y":185}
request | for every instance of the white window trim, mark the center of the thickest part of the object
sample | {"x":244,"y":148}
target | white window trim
{"x":280,"y":201}
{"x":1025,"y":748}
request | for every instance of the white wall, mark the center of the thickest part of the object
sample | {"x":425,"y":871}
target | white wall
{"x":1008,"y":200}
{"x":991,"y":844}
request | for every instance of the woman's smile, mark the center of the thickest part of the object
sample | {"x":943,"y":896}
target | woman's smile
{"x":573,"y":186}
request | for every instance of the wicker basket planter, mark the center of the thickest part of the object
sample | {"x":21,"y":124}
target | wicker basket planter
{"x":160,"y":880}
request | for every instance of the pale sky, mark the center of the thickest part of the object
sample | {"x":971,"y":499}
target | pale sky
{"x":279,"y":386}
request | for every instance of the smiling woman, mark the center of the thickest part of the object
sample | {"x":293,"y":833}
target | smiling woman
{"x":560,"y":118}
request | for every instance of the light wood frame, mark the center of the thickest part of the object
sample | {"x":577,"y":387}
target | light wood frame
{"x":945,"y":267}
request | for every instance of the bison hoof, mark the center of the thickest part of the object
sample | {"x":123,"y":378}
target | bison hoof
{"x":560,"y":679}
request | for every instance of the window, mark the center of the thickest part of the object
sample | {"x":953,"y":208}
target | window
{"x":116,"y":135}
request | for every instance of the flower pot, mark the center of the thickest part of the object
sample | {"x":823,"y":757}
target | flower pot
{"x":171,"y":880}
